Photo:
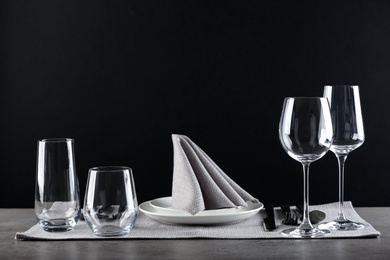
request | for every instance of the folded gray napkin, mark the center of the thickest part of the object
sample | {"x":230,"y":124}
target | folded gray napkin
{"x":198,"y":183}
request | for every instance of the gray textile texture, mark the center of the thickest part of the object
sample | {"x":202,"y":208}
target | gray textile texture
{"x":198,"y":183}
{"x":252,"y":228}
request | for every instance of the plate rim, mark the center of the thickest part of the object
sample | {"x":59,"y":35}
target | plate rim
{"x":211,"y":211}
{"x":203,"y":219}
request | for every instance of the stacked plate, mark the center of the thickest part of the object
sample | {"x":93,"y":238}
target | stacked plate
{"x":161,"y":210}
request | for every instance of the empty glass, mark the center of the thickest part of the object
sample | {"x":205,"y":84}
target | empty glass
{"x":305,"y":132}
{"x":57,"y":205}
{"x":349,"y":134}
{"x":110,"y":203}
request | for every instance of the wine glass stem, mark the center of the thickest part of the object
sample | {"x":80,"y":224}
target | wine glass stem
{"x":341,"y":158}
{"x":306,"y":220}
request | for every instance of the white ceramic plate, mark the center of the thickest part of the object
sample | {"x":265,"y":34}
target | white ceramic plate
{"x":160,"y":210}
{"x":165,"y":205}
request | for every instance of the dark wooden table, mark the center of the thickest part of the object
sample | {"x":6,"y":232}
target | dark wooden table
{"x":17,"y":220}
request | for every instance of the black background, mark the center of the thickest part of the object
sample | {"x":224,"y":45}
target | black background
{"x":121,"y":76}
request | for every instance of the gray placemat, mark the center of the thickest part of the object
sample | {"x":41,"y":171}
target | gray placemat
{"x":251,"y":228}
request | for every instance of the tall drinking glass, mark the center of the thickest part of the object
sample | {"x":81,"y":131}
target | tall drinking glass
{"x":57,"y":205}
{"x":305,"y":132}
{"x":348,"y":129}
{"x":110,"y":203}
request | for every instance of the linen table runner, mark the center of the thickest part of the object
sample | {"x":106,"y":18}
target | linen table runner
{"x":251,"y":228}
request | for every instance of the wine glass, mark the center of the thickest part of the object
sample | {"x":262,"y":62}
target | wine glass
{"x":348,"y":130}
{"x":306,"y":134}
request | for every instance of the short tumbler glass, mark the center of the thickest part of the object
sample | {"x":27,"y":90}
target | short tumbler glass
{"x":110,"y":203}
{"x":57,"y":202}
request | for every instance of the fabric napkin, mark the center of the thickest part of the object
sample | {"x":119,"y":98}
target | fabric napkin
{"x":198,"y":183}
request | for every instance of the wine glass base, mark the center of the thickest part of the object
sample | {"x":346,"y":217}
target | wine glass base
{"x":305,"y":233}
{"x":341,"y":225}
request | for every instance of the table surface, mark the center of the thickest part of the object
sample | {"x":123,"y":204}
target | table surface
{"x":18,"y":220}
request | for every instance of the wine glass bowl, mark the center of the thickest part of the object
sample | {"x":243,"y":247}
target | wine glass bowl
{"x":306,"y":134}
{"x":347,"y":121}
{"x":304,"y":130}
